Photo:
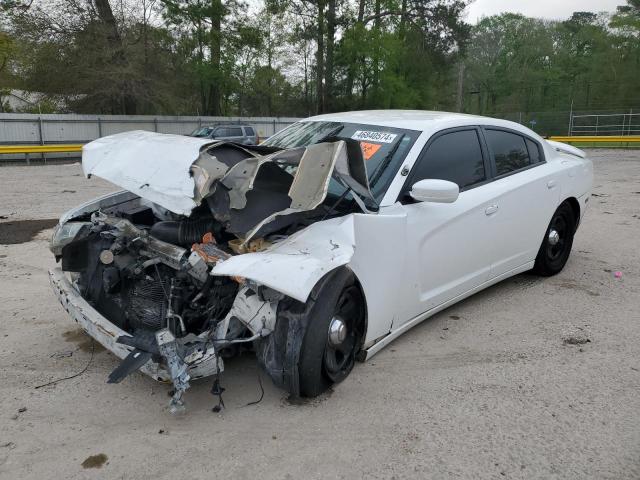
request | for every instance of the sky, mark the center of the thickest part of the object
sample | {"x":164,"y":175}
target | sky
{"x":549,"y":9}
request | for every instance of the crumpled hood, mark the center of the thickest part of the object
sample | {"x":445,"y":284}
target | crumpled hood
{"x":154,"y":166}
{"x":246,"y":187}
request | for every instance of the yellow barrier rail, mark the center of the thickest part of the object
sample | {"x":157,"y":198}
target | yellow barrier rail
{"x":71,"y":148}
{"x":598,"y":139}
{"x":28,"y":149}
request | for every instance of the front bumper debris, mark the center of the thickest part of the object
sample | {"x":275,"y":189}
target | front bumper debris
{"x":107,"y":334}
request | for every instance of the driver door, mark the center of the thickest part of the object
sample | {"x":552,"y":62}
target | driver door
{"x":449,"y":244}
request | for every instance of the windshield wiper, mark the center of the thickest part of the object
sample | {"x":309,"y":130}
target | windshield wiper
{"x":385,"y":162}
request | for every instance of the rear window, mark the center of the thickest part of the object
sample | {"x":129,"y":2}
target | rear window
{"x":509,"y":151}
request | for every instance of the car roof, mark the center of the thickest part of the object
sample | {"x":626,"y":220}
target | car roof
{"x":423,"y":120}
{"x":214,"y":125}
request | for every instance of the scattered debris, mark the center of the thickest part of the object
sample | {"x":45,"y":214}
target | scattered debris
{"x":454,"y":317}
{"x":600,"y":195}
{"x":86,"y":367}
{"x":63,"y":354}
{"x":68,"y":191}
{"x":95,"y":461}
{"x":617,"y":274}
{"x":575,"y":340}
{"x":22,"y":409}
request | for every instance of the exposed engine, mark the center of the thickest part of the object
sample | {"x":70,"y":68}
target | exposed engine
{"x":141,"y":282}
{"x":151,"y":278}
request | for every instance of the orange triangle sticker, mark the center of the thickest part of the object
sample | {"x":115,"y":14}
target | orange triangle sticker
{"x":369,"y":149}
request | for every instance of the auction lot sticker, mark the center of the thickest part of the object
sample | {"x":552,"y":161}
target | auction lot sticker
{"x":369,"y":149}
{"x":365,"y":135}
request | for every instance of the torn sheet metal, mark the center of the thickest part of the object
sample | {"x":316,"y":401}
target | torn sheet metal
{"x":310,"y":183}
{"x":294,"y":265}
{"x":257,"y":315}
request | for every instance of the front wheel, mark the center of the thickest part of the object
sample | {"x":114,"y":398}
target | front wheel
{"x":558,"y":240}
{"x":314,"y":344}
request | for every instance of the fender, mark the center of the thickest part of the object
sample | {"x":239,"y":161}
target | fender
{"x":371,"y":245}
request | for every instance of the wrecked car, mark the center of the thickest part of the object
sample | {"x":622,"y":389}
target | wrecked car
{"x":314,"y":249}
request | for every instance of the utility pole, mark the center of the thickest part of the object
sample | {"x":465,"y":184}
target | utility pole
{"x":460,"y":86}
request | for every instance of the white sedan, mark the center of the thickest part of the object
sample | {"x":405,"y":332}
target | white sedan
{"x":314,"y":249}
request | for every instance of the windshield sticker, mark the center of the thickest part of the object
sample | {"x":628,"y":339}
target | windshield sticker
{"x":384,"y":137}
{"x":369,"y":149}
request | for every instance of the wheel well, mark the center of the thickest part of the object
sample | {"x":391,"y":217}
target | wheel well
{"x":575,"y":206}
{"x":365,"y":312}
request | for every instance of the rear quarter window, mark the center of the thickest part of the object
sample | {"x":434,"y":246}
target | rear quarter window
{"x":534,"y":151}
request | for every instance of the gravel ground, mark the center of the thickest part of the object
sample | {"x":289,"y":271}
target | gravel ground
{"x":532,"y":378}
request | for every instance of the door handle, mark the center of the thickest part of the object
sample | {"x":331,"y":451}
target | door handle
{"x":491,"y":209}
{"x":551,"y":184}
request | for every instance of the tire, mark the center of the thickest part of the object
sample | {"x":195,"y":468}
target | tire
{"x":321,"y":361}
{"x":554,"y":251}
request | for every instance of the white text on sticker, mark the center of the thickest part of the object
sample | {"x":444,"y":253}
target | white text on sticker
{"x":384,"y":137}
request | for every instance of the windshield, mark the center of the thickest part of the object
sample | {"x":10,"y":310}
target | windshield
{"x":202,"y":132}
{"x":383,"y":148}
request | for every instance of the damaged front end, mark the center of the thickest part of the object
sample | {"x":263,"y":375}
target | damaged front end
{"x":142,"y":271}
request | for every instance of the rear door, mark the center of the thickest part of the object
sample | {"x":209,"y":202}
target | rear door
{"x":448,"y":245}
{"x":526,"y":193}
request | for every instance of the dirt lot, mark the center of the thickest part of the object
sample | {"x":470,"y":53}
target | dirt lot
{"x":532,"y":378}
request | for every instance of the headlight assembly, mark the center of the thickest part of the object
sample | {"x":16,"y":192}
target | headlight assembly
{"x":65,"y":234}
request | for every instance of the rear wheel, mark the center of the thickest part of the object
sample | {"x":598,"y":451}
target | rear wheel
{"x":558,"y":240}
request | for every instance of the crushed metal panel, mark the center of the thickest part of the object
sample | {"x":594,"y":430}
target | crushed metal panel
{"x":311,"y":181}
{"x":257,"y":315}
{"x":240,"y":178}
{"x":293,"y":266}
{"x":206,"y":170}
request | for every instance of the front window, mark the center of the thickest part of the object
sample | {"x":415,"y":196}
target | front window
{"x":383,"y":148}
{"x":456,"y":157}
{"x":201,"y":132}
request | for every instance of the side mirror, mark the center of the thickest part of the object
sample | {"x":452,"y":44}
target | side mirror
{"x":437,"y":191}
